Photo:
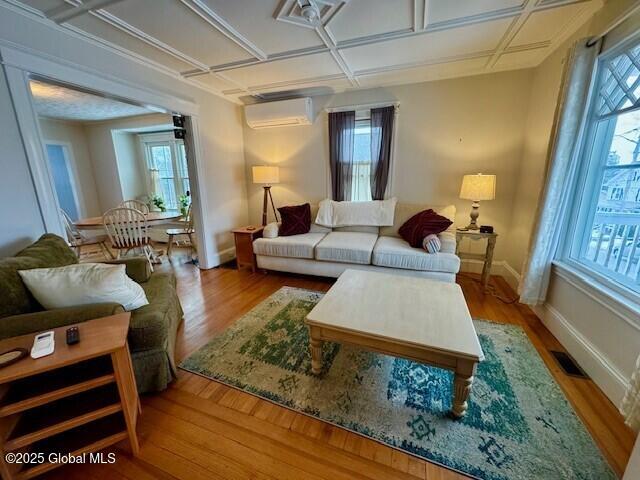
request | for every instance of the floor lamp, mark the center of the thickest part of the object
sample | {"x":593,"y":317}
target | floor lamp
{"x":267,"y":176}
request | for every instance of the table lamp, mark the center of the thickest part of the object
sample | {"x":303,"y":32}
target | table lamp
{"x":266,"y":175}
{"x":475,"y":188}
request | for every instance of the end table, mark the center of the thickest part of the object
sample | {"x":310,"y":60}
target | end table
{"x":80,"y":399}
{"x":487,"y":257}
{"x":244,"y":238}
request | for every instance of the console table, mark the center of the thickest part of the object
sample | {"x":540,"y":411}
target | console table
{"x":80,"y":399}
{"x":486,"y":257}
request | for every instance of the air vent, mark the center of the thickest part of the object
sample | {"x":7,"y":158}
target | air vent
{"x":568,"y":364}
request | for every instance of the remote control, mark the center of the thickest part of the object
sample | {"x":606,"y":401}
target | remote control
{"x":43,"y":345}
{"x":73,"y":335}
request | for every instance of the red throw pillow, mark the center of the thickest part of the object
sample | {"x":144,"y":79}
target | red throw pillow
{"x":422,"y":224}
{"x":295,"y":220}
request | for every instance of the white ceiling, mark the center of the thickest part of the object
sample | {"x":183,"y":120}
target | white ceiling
{"x":55,"y":101}
{"x":237,"y":48}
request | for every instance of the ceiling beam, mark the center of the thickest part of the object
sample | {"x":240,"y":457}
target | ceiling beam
{"x":156,"y":43}
{"x":79,"y":34}
{"x":207,"y":14}
{"x":328,"y":40}
{"x":530,"y":7}
{"x":330,"y":44}
{"x":123,"y":26}
{"x":70,"y":10}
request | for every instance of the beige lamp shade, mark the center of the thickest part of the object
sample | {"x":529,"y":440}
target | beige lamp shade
{"x":266,"y":174}
{"x":478,"y":187}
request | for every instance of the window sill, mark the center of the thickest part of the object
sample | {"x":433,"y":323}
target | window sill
{"x":625,"y":306}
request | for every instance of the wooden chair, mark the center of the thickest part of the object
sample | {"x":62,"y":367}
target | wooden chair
{"x":128,"y":230}
{"x":77,"y":239}
{"x":136,"y":205}
{"x":178,"y":232}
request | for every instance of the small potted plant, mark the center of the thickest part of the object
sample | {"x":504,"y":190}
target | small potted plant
{"x":158,"y":201}
{"x":184,"y":201}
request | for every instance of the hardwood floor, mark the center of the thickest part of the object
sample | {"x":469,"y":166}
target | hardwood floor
{"x":200,"y":429}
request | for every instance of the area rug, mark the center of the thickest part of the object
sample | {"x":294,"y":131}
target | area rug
{"x":519,"y":425}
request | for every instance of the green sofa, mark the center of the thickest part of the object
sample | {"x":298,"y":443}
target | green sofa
{"x":153,"y":328}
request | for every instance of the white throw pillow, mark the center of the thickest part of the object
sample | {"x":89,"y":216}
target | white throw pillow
{"x":83,"y":284}
{"x":376,"y":213}
{"x":271,"y":230}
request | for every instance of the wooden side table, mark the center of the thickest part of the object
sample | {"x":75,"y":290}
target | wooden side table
{"x":487,"y":257}
{"x":80,"y":399}
{"x":244,"y":238}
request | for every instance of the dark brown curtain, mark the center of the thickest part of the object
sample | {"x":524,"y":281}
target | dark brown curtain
{"x":341,"y":135}
{"x":381,"y":135}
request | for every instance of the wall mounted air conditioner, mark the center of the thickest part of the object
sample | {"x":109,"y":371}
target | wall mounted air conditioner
{"x":279,"y":114}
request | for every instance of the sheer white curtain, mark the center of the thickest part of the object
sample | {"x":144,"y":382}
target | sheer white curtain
{"x":560,"y":171}
{"x":360,"y":182}
{"x":630,"y":407}
{"x":154,"y":182}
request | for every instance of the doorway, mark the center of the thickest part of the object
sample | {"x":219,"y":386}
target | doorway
{"x":22,"y":67}
{"x":124,"y":156}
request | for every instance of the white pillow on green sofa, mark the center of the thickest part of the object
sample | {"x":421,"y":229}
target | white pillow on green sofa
{"x":83,"y":284}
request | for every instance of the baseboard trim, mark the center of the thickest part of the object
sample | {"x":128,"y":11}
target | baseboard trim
{"x":605,"y":375}
{"x":221,"y":257}
{"x":499,"y":267}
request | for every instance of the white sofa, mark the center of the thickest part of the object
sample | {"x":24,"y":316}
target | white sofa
{"x":328,"y":252}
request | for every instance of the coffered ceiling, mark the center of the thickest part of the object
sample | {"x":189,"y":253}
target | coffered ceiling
{"x":270,"y":48}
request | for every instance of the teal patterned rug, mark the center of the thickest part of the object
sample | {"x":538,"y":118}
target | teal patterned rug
{"x":519,"y":425}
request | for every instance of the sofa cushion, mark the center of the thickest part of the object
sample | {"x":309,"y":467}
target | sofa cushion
{"x":404,"y":211}
{"x":358,"y":228}
{"x":48,"y":251}
{"x":396,"y":253}
{"x":152,"y":324}
{"x":348,"y":247}
{"x":295,"y":246}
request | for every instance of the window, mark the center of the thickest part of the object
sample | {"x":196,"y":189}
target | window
{"x":606,"y":240}
{"x":360,"y":182}
{"x":167,"y":156}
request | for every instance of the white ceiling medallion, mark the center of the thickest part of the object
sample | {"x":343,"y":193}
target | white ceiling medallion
{"x":308,"y":13}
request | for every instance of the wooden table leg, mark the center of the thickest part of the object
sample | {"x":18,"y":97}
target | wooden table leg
{"x":462,"y":382}
{"x":488,"y":260}
{"x":128,"y":391}
{"x":316,"y":351}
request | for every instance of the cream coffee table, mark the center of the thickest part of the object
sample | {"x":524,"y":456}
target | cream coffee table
{"x":423,"y":320}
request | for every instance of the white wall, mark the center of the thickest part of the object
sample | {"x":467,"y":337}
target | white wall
{"x":115,"y":157}
{"x":73,"y":133}
{"x":219,"y":121}
{"x":128,"y":156}
{"x":19,"y":210}
{"x":445,"y":129}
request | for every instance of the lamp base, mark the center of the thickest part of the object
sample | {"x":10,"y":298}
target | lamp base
{"x":474,"y":214}
{"x":267,"y":196}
